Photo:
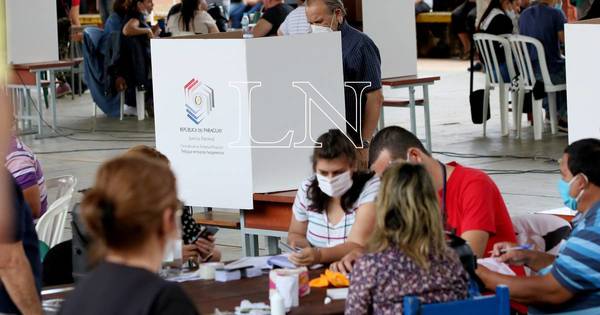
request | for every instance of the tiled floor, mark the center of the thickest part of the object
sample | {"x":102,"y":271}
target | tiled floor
{"x":83,"y":151}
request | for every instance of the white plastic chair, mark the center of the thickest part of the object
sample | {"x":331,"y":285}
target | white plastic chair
{"x":519,"y":46}
{"x":486,"y":44}
{"x":51,"y":225}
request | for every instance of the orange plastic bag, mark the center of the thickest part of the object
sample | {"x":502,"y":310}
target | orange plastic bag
{"x":337,"y":279}
{"x":320,"y":282}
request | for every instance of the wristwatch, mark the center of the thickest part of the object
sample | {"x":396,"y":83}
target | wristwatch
{"x":365,"y":144}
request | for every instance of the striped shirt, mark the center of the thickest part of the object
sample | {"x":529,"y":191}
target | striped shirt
{"x":26,"y":169}
{"x":320,"y":232}
{"x":362,"y":63}
{"x":296,"y":22}
{"x":577,"y":267}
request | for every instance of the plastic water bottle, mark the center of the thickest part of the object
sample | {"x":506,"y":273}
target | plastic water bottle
{"x":246,"y":26}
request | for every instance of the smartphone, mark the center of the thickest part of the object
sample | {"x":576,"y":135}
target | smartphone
{"x":206,"y":232}
{"x":284,"y":247}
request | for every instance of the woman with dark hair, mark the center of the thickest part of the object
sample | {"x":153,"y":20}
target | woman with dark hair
{"x":192,"y":18}
{"x":496,"y":21}
{"x":334,"y":210}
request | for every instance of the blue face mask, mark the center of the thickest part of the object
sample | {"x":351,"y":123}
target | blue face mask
{"x":564,"y":188}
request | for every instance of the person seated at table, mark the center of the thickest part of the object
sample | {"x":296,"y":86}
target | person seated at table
{"x":544,"y":22}
{"x":296,"y":22}
{"x":570,"y":282}
{"x":24,"y":166}
{"x":408,"y":252}
{"x":463,"y":24}
{"x":495,"y":21}
{"x":130,"y":229}
{"x":136,"y":49}
{"x":334,"y":209}
{"x":191,"y":19}
{"x":274,"y":13}
{"x":471,"y":204}
{"x":196,"y":250}
{"x":239,"y":8}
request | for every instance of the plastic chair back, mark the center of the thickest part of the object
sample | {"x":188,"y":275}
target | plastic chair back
{"x":498,"y":304}
{"x":51,"y":225}
{"x":487,"y":45}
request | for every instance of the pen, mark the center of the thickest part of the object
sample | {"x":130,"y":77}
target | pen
{"x":520,"y":247}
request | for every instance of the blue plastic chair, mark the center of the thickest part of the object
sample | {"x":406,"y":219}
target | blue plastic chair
{"x":498,"y":304}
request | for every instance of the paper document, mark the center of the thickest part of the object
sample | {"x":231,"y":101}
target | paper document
{"x":559,"y":211}
{"x":258,"y":262}
{"x":494,"y":265}
{"x":337,"y":294}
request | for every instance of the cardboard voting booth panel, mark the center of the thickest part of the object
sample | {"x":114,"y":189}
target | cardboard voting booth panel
{"x":583,"y":66}
{"x":31,"y":31}
{"x":232,"y":114}
{"x":391,"y":25}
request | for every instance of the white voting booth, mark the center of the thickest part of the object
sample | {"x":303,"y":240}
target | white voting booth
{"x":391,"y":25}
{"x":31,"y":31}
{"x":231,"y":113}
{"x":581,"y":50}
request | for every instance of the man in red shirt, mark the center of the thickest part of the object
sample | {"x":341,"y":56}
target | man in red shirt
{"x":470,"y":201}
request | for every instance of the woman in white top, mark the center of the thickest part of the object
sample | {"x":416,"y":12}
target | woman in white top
{"x":191,"y":19}
{"x":334,"y":210}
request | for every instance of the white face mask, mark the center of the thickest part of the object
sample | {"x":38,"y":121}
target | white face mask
{"x":321,"y":28}
{"x":337,"y":186}
{"x":511,"y":14}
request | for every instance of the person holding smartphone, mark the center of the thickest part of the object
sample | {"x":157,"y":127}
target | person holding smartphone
{"x":197,"y":247}
{"x":334,"y":210}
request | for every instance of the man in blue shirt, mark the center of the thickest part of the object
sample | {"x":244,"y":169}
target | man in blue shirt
{"x":20,"y":265}
{"x":569,"y":283}
{"x":362,"y":63}
{"x":545,"y":22}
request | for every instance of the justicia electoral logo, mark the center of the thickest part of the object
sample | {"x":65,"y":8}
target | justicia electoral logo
{"x":199,"y":100}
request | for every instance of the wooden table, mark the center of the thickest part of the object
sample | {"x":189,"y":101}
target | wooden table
{"x":269,"y":217}
{"x":29,"y":75}
{"x":411,"y":82}
{"x":434,"y":17}
{"x":208,"y":295}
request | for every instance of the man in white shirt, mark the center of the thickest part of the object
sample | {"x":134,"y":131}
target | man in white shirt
{"x":296,"y":22}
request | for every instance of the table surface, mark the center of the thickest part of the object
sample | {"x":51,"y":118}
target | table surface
{"x":409,"y":80}
{"x":277,"y":197}
{"x":46,"y":65}
{"x":208,"y":295}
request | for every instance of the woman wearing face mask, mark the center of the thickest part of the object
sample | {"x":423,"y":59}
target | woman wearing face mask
{"x":138,"y":12}
{"x":130,"y":229}
{"x":334,"y":210}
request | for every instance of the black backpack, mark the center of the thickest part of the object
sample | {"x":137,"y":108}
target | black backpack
{"x":468,"y":260}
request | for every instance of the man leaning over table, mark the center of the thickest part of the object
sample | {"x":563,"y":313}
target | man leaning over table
{"x":570,"y":282}
{"x":362,"y":63}
{"x":470,"y":201}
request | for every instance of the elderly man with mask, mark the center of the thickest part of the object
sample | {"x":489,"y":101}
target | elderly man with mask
{"x":362,"y":71}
